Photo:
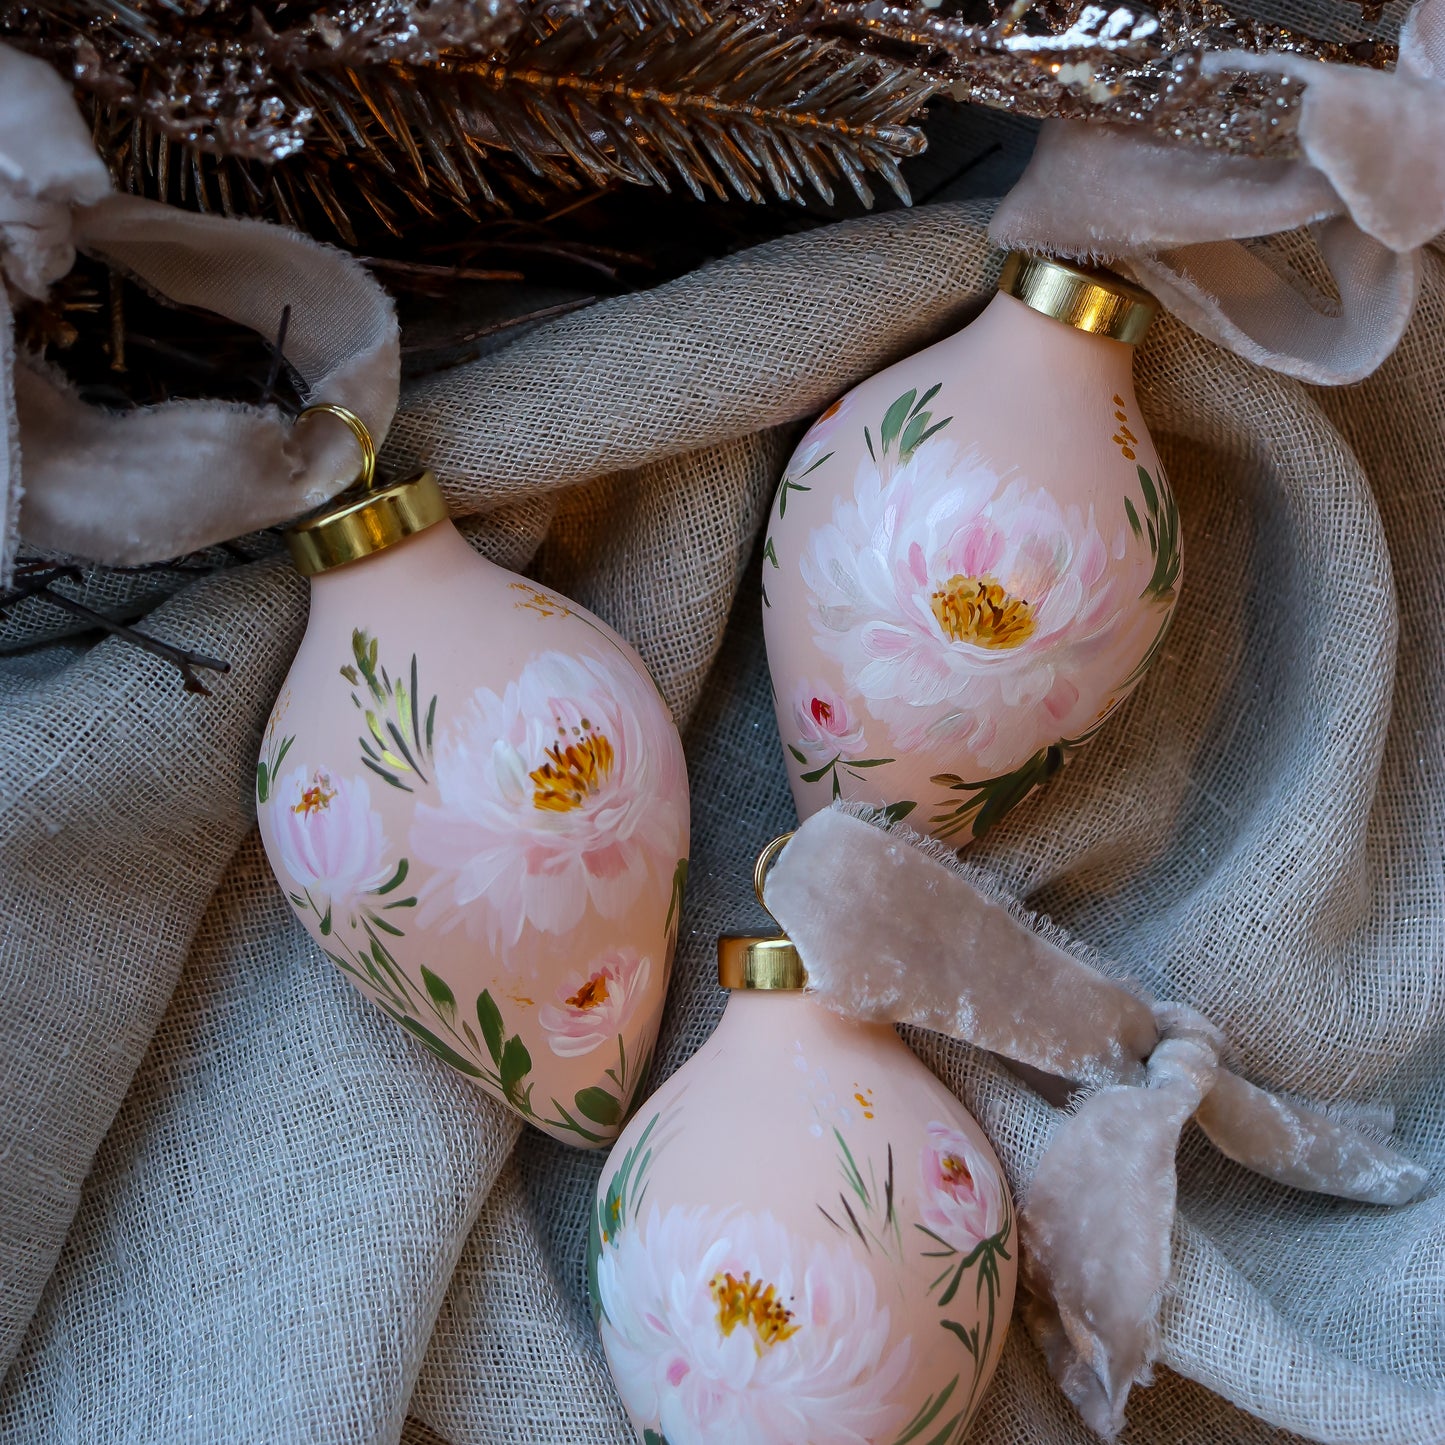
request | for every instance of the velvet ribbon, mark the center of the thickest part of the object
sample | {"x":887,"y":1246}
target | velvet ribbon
{"x":936,"y":944}
{"x":153,"y":483}
{"x":1369,"y":179}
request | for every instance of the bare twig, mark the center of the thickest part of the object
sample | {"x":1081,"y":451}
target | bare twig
{"x":543,"y":313}
{"x":278,"y":357}
{"x":448,"y":273}
{"x":179,"y":657}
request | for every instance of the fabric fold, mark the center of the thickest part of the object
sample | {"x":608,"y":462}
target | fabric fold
{"x":1370,"y":165}
{"x":156,"y":482}
{"x":940,"y":946}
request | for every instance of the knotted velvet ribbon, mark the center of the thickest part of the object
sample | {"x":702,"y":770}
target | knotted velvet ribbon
{"x":145,"y":485}
{"x":1369,"y":177}
{"x":892,"y":928}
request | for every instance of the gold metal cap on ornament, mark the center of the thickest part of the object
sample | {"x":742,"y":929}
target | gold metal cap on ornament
{"x":1088,"y":298}
{"x":365,"y":518}
{"x":761,"y":961}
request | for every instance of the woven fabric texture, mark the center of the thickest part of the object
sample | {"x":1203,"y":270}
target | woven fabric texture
{"x":237,"y":1204}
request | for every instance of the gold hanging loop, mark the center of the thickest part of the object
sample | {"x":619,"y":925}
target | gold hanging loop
{"x":367,"y":475}
{"x":766,"y":859}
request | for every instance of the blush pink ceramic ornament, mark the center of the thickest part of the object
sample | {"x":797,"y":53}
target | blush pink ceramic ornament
{"x":802,"y":1238}
{"x":972,"y":559}
{"x":476,"y":802}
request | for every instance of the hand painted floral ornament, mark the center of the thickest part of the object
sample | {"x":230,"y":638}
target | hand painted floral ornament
{"x":476,"y":802}
{"x":802,"y":1238}
{"x":973,"y":559}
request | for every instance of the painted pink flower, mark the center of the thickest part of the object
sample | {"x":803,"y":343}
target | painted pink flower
{"x":595,"y":1007}
{"x":825,"y":727}
{"x":963,"y":1196}
{"x":725,"y":1327}
{"x":972,"y":607}
{"x":327,"y":836}
{"x":566,"y":790}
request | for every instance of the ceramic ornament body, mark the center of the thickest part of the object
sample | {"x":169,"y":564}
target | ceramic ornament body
{"x":802,"y":1238}
{"x":476,"y":802}
{"x":972,"y":559}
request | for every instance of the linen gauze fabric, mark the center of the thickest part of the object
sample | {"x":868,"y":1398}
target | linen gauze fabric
{"x":1370,"y":176}
{"x":238,"y":1204}
{"x":153,"y":483}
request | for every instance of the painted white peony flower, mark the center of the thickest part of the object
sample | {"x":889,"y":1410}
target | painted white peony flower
{"x":597,"y":1006}
{"x":721,"y":1327}
{"x":825,"y":727}
{"x":328,"y":837}
{"x":969,"y":607}
{"x":962,"y":1201}
{"x":566,"y":790}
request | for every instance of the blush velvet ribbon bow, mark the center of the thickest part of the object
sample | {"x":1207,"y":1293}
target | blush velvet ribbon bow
{"x":156,"y":482}
{"x":937,"y":946}
{"x":1369,"y":178}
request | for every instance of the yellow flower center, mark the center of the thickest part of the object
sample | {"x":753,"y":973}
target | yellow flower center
{"x":978,"y":610}
{"x":747,"y":1301}
{"x":955,"y":1171}
{"x":572,"y":773}
{"x":592,"y":993}
{"x":316,"y":798}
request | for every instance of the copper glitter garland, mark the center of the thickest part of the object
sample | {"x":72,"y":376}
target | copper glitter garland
{"x":406,"y":109}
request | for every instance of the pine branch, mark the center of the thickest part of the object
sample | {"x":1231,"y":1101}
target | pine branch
{"x":1126,"y":62}
{"x":335,"y":127}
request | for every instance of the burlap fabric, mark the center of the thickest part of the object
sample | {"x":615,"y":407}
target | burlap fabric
{"x":236,"y":1204}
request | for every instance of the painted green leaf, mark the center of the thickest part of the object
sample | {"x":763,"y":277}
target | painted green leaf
{"x":651,"y":1437}
{"x":797,"y":753}
{"x":599,"y":1106}
{"x":969,"y":1337}
{"x":937,"y":426}
{"x":350,"y":674}
{"x":1151,"y":497}
{"x":397,"y":878}
{"x":897,"y":812}
{"x":514,"y":1066}
{"x":594,"y":1254}
{"x":788,"y":486}
{"x":818,"y":773}
{"x":1135,"y":525}
{"x":439,"y":993}
{"x":403,"y":706}
{"x":927,"y":1414}
{"x":444,"y":1052}
{"x":260,"y":782}
{"x":893,"y":420}
{"x":913,"y":433}
{"x":326,"y":921}
{"x":867,"y":437}
{"x":770,"y":552}
{"x":489,"y":1016}
{"x":674,"y":904}
{"x":390,"y":777}
{"x":431,"y":717}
